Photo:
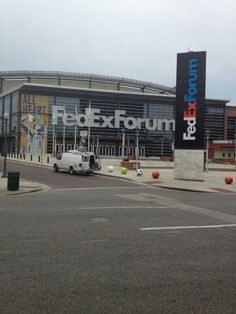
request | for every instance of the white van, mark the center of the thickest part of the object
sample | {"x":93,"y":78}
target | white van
{"x":76,"y":161}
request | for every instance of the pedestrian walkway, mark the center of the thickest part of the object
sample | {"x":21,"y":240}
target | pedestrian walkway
{"x":214,"y":179}
{"x":24,"y":187}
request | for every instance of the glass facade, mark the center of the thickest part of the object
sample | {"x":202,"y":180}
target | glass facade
{"x":1,"y":116}
{"x":119,"y":121}
{"x":215,"y":121}
{"x":231,"y":128}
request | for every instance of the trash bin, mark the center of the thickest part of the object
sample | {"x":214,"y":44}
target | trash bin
{"x":13,"y":180}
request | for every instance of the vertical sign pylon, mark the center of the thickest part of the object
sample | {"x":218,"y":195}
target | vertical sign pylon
{"x":189,"y":115}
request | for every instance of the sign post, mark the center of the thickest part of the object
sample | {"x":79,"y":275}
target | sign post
{"x":190,"y":109}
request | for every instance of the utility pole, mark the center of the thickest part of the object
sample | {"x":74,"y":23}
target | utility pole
{"x":137,"y":147}
{"x":6,"y":118}
{"x":207,"y":148}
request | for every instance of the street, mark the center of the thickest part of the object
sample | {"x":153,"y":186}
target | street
{"x":95,"y":244}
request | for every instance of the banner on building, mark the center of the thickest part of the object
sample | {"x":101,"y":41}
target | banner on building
{"x":34,"y":124}
{"x":190,"y":100}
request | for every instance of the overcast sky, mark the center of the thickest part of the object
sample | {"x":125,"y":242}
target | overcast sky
{"x":126,"y":38}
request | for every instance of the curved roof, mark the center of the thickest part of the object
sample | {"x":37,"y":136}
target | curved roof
{"x":90,"y":78}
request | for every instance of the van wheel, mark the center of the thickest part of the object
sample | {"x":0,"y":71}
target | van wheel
{"x":71,"y":170}
{"x":55,"y":168}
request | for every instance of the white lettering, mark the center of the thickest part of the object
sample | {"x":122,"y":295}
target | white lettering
{"x":118,"y":117}
{"x":139,"y":122}
{"x":130,"y":123}
{"x":149,"y":126}
{"x":92,"y":118}
{"x":107,"y":121}
{"x":191,"y":129}
{"x":57,"y":112}
{"x":169,"y":125}
{"x":69,"y":119}
{"x":81,"y":120}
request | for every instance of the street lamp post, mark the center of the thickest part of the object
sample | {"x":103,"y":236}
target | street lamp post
{"x":128,"y":146}
{"x":123,"y":143}
{"x":173,"y":147}
{"x":137,"y":147}
{"x":235,"y":149}
{"x":97,"y":147}
{"x":207,"y":148}
{"x":162,"y":142}
{"x":54,"y":144}
{"x":89,"y":124}
{"x":5,"y":146}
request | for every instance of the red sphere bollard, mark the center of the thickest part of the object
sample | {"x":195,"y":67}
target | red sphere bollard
{"x":155,"y":174}
{"x":228,"y":180}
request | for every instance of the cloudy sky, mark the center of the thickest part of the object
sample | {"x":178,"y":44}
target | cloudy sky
{"x":127,"y":38}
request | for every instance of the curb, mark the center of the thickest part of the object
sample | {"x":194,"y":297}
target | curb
{"x":157,"y":185}
{"x":26,"y":190}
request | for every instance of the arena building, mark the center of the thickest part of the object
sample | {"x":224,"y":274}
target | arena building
{"x":52,"y":112}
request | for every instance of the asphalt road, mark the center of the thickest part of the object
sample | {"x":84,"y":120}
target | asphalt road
{"x":61,"y":180}
{"x":86,"y":250}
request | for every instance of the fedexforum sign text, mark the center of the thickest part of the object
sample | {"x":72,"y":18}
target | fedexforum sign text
{"x":190,"y":100}
{"x":93,"y":118}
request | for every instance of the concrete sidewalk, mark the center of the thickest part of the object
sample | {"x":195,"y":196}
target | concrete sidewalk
{"x":24,"y":187}
{"x":214,"y":179}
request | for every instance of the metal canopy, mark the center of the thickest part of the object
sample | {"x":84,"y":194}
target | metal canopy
{"x":90,"y":78}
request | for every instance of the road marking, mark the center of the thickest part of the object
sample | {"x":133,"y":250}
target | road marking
{"x":8,"y":208}
{"x":100,"y":208}
{"x":188,"y":227}
{"x":93,"y":241}
{"x":99,"y":188}
{"x":122,"y":207}
{"x":175,"y":204}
